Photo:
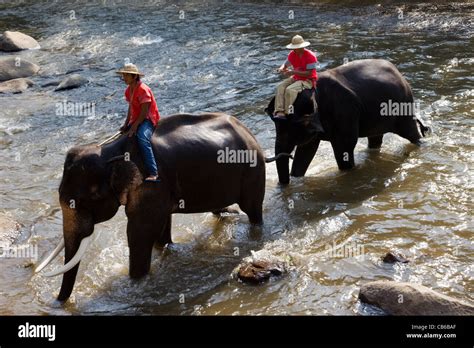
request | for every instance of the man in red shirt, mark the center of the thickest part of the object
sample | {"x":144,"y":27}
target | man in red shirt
{"x":142,"y":116}
{"x":303,"y":75}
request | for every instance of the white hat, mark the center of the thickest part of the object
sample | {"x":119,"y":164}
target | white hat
{"x":297,"y":42}
{"x":129,"y":68}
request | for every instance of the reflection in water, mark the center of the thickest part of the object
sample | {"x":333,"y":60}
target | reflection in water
{"x":415,"y":201}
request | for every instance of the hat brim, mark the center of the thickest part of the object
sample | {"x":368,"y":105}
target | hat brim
{"x":129,"y":72}
{"x":301,"y":45}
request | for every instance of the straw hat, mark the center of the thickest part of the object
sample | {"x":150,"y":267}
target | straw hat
{"x":129,"y":68}
{"x":297,"y":42}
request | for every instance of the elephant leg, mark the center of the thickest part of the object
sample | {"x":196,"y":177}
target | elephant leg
{"x":253,"y":211}
{"x":252,"y":195}
{"x":164,"y":236}
{"x":344,"y":152}
{"x":375,"y":142}
{"x":304,"y":154}
{"x":141,"y":234}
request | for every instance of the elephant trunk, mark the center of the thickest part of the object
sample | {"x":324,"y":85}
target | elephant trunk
{"x":282,"y":162}
{"x":76,"y":230}
{"x":278,"y":156}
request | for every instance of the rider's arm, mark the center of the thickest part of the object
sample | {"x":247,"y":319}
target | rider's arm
{"x":128,"y":118}
{"x":143,"y":113}
{"x":306,"y":73}
{"x":284,"y":66}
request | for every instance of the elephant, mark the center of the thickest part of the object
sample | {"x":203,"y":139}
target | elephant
{"x":348,"y":103}
{"x":195,"y":178}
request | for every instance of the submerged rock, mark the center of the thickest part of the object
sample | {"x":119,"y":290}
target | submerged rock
{"x":16,"y":67}
{"x":15,"y":85}
{"x":260,"y":266}
{"x":73,"y":81}
{"x":399,"y":298}
{"x":392,"y":257}
{"x":12,"y":41}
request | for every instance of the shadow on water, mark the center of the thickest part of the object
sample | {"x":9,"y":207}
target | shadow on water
{"x":329,"y":193}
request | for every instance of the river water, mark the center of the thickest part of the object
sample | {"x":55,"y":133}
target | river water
{"x":221,"y":57}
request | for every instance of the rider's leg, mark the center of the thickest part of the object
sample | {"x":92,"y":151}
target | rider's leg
{"x":290,"y":96}
{"x":144,"y":133}
{"x":280,"y":95}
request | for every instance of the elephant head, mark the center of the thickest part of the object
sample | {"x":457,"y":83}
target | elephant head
{"x":92,"y":188}
{"x":301,"y":130}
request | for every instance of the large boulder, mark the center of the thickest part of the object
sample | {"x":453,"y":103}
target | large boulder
{"x":72,"y":81}
{"x":15,"y":85}
{"x":16,"y":67}
{"x":12,"y":41}
{"x":399,"y":298}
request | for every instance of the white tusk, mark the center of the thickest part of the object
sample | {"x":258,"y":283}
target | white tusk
{"x":51,"y":257}
{"x":74,"y":261}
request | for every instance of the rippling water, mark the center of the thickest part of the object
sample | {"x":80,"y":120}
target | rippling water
{"x":221,"y":57}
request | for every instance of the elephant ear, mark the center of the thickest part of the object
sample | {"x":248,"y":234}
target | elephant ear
{"x":125,"y":177}
{"x":270,"y":108}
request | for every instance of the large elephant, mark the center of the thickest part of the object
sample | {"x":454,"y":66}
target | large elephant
{"x":351,"y":102}
{"x":196,"y":176}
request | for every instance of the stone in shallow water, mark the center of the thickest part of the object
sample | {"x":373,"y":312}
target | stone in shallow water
{"x":12,"y":41}
{"x":399,"y":298}
{"x":392,"y":257}
{"x":73,"y":81}
{"x":15,"y":85}
{"x":260,"y":267}
{"x":16,"y":67}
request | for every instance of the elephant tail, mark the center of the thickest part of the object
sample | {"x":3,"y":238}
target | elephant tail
{"x":423,"y":128}
{"x":281,"y":154}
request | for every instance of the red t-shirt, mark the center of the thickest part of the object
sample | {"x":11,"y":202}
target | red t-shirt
{"x":142,"y":94}
{"x":306,"y":62}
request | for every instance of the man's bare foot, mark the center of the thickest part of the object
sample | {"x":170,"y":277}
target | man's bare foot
{"x":153,"y":178}
{"x":280,"y":114}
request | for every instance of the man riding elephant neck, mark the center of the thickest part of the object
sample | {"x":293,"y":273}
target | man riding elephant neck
{"x":142,"y":116}
{"x":303,"y":76}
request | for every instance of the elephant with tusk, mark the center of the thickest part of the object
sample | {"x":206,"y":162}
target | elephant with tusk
{"x":207,"y":162}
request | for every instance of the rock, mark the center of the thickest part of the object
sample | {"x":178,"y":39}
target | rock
{"x":15,"y":85}
{"x":8,"y":229}
{"x":398,"y":298}
{"x":73,"y":81}
{"x":12,"y":41}
{"x":51,"y":83}
{"x":16,"y":67}
{"x":260,"y":267}
{"x":74,"y":70}
{"x":391,"y":257}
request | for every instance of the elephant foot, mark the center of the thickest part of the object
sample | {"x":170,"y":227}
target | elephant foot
{"x":137,"y":273}
{"x":418,"y":143}
{"x":226,"y":210}
{"x":374,"y":149}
